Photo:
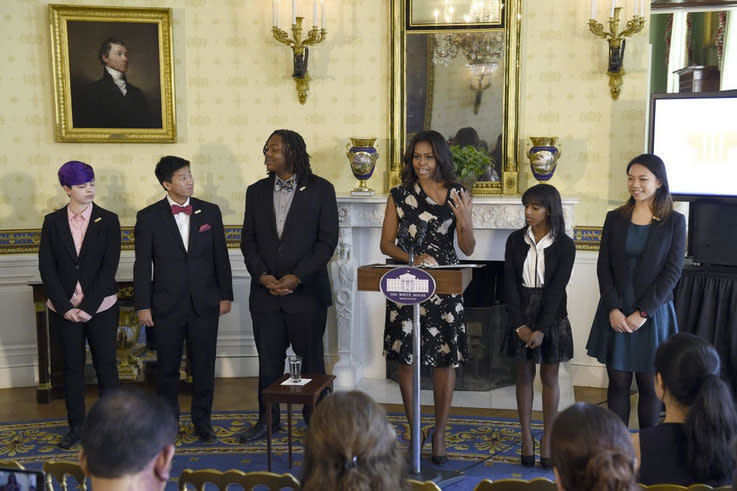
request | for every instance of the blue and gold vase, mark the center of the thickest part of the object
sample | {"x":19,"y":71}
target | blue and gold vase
{"x":543,"y":156}
{"x":362,"y":156}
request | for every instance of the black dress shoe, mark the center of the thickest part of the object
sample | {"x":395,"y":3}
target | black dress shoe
{"x":257,"y":432}
{"x":70,"y":439}
{"x":205,"y":433}
{"x":546,"y":462}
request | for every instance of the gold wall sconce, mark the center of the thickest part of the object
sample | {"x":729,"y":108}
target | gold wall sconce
{"x":299,"y":46}
{"x":616,"y":40}
{"x":481,"y":72}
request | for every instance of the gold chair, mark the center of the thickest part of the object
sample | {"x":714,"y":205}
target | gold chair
{"x":247,"y":481}
{"x":537,"y":484}
{"x":60,"y":470}
{"x":11,"y":464}
{"x":415,"y":485}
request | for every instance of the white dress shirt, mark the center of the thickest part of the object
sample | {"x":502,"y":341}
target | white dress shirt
{"x":118,"y":78}
{"x":533,"y":270}
{"x":182,"y":220}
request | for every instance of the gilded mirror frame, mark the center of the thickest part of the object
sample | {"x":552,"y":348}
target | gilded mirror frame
{"x":508,"y":179}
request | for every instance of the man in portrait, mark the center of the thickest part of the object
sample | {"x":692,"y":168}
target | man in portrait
{"x":112,"y":101}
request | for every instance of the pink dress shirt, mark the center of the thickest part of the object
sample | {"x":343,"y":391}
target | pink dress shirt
{"x":78,"y":226}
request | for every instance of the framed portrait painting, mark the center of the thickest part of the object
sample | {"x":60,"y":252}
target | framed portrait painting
{"x":113,"y":74}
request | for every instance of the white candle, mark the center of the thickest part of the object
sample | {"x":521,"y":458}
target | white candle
{"x":294,"y":13}
{"x":314,"y":13}
{"x":593,"y":9}
{"x":273,"y":13}
{"x":642,"y":8}
{"x":614,"y":2}
{"x":276,"y":2}
{"x":322,"y":14}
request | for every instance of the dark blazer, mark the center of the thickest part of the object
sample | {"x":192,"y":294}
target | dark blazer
{"x":660,"y":264}
{"x":94,"y":268}
{"x":103,"y":105}
{"x":201,"y":275}
{"x":307,"y":243}
{"x":559,"y":257}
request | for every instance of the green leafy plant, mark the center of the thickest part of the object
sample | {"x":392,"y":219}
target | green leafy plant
{"x":470,"y":162}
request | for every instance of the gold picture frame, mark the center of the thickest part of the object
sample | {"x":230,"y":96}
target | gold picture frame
{"x":91,"y":102}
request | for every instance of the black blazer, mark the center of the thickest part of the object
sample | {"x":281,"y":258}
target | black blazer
{"x":201,"y":275}
{"x":94,"y":268}
{"x":103,"y":105}
{"x":307,"y":243}
{"x":559,"y":257}
{"x":660,"y":264}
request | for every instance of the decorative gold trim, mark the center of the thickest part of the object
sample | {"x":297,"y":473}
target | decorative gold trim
{"x":59,"y":16}
{"x":510,"y":139}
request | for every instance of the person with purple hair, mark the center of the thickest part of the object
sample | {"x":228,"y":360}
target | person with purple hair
{"x":78,"y":258}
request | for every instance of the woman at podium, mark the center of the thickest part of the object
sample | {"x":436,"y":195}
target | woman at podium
{"x":425,"y":213}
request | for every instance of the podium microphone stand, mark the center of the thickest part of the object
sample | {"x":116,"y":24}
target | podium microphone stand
{"x":409,"y":285}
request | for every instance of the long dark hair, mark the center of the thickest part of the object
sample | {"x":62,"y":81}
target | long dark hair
{"x":444,"y":172}
{"x":351,"y":446}
{"x":295,"y":153}
{"x":662,"y":201}
{"x":591,"y":449}
{"x":689,"y":367}
{"x":548,"y":197}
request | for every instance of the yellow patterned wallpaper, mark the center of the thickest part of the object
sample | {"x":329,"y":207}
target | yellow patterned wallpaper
{"x":233,"y":86}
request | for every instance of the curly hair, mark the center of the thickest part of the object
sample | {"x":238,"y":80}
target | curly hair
{"x":295,"y":153}
{"x":444,"y":172}
{"x":350,"y":445}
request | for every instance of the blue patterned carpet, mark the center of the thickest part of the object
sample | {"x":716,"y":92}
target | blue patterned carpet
{"x":481,"y":447}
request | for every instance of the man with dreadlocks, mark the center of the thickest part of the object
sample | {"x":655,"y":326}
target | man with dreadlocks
{"x":290,"y":230}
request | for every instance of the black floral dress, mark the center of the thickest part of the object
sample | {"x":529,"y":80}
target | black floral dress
{"x":443,"y":333}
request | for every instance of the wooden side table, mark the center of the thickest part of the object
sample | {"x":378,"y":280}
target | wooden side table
{"x":292,"y":394}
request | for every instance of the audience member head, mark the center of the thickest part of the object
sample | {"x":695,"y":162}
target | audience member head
{"x":547,"y":197}
{"x":647,"y":171}
{"x":286,"y":150}
{"x":128,"y":439}
{"x":350,"y":445}
{"x":591,"y":449}
{"x":467,"y":136}
{"x":444,"y":170}
{"x":687,"y":375}
{"x":78,"y":181}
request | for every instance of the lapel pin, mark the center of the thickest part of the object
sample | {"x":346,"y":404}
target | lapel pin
{"x":197,"y":211}
{"x":302,"y":188}
{"x":98,"y":219}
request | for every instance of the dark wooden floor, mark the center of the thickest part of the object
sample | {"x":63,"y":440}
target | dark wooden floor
{"x":231,"y":394}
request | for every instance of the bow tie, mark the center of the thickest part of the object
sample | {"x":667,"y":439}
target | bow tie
{"x":280,"y":185}
{"x":187,"y":210}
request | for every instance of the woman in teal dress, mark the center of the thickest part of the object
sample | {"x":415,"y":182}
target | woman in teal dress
{"x":640,"y":260}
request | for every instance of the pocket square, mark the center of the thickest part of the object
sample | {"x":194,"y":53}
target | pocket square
{"x":205,"y":227}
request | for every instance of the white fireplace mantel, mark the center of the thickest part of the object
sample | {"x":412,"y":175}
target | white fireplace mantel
{"x":360,"y":315}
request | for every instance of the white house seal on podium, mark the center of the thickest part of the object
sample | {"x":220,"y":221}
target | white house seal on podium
{"x":407,"y":286}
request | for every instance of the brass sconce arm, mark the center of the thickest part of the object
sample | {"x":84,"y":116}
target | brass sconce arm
{"x":300,"y":52}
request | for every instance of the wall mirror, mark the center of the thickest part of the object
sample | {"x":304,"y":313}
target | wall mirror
{"x":456,"y":70}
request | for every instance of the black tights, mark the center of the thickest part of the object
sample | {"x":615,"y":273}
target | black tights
{"x":618,"y":397}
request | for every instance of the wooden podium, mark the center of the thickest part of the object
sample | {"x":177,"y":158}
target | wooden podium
{"x":447,"y":281}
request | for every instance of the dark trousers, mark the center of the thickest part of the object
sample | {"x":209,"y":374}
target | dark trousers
{"x":201,"y":335}
{"x":100,"y":333}
{"x":273,"y":333}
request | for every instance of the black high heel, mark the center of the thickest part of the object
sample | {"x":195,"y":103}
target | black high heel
{"x":545,"y":462}
{"x":436,"y":459}
{"x":528,"y":460}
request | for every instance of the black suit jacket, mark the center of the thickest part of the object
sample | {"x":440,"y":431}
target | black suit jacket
{"x":660,"y":264}
{"x":103,"y":105}
{"x":200,"y":275}
{"x":307,"y":243}
{"x":559,"y":257}
{"x":94,"y":268}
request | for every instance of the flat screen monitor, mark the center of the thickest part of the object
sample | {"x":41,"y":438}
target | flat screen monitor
{"x":696,"y":136}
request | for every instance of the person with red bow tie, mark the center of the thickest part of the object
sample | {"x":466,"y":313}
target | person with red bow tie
{"x":181,"y":240}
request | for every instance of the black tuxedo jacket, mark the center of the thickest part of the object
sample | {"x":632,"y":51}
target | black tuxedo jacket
{"x":103,"y":105}
{"x":660,"y":264}
{"x":94,"y":268}
{"x":307,"y":243}
{"x":200,"y":275}
{"x":559,"y":258}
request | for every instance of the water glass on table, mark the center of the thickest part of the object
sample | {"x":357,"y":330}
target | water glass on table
{"x":295,"y":368}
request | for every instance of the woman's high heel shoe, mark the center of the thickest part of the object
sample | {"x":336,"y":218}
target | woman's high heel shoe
{"x":436,"y":459}
{"x":528,"y":460}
